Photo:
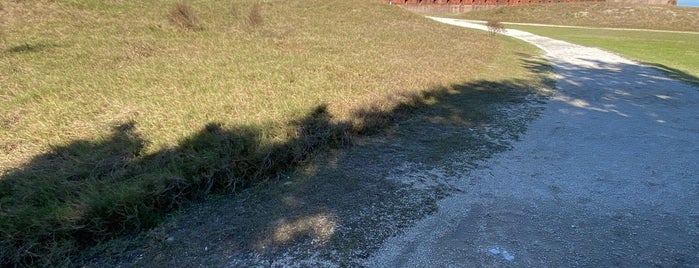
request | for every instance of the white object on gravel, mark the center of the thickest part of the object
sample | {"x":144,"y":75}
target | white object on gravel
{"x":505,"y":255}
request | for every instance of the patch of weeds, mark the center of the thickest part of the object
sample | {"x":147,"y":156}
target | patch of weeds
{"x":9,"y":120}
{"x":183,"y":16}
{"x":8,"y":147}
{"x":495,"y":27}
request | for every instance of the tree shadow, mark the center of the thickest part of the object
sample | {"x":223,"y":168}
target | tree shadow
{"x":92,"y":190}
{"x":342,"y":203}
{"x":41,"y":202}
{"x":633,"y":92}
{"x":29,"y":48}
{"x":89,"y":191}
{"x":675,"y":73}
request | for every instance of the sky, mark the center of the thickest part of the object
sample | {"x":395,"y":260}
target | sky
{"x":688,"y":3}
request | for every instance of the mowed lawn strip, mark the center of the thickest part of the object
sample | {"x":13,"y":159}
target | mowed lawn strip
{"x":114,"y":112}
{"x":674,"y":53}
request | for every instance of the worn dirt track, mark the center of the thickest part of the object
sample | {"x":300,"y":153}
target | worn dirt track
{"x":607,"y":176}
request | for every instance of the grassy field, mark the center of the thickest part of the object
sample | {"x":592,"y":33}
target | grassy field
{"x":674,"y":53}
{"x":600,"y":14}
{"x":115,"y":112}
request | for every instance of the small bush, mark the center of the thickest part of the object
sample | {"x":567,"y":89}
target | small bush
{"x":495,"y":27}
{"x":183,"y":16}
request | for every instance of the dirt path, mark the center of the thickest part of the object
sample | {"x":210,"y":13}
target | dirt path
{"x":607,"y":176}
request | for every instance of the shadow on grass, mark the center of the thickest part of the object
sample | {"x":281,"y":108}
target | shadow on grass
{"x":29,"y":48}
{"x":89,"y":191}
{"x":94,"y":190}
{"x":342,"y":201}
{"x":675,"y":73}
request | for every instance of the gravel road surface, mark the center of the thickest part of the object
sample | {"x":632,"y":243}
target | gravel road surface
{"x":607,"y":176}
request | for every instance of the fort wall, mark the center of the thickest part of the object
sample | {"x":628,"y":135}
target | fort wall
{"x":460,"y":6}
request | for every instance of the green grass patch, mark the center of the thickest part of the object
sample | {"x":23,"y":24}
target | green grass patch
{"x":673,"y":53}
{"x":596,"y":14}
{"x":115,"y":112}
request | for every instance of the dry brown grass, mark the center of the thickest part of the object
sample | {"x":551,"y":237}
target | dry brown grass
{"x":495,"y":27}
{"x":597,"y":14}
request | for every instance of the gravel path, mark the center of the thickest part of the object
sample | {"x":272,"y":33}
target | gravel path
{"x":607,"y":176}
{"x":574,"y":27}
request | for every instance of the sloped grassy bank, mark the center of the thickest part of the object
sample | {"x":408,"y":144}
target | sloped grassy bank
{"x":115,"y":112}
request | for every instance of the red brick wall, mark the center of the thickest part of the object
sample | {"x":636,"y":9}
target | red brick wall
{"x":514,"y":2}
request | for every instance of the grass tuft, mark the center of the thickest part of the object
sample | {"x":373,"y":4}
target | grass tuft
{"x":254,"y":18}
{"x":183,"y":16}
{"x":495,"y":27}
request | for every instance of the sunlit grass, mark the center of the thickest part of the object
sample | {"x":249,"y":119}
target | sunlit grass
{"x":71,"y":70}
